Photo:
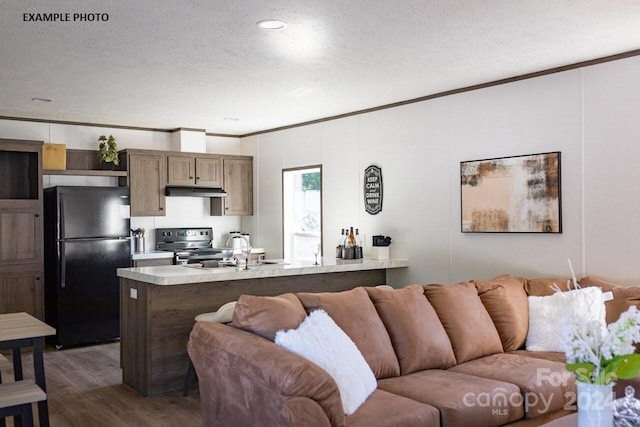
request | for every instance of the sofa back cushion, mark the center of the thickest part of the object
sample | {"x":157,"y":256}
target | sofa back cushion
{"x":506,"y":302}
{"x":623,"y":297}
{"x":265,"y":316}
{"x":468,"y":324}
{"x":602,"y":284}
{"x":419,"y":339}
{"x":355,"y":314}
{"x":547,"y":286}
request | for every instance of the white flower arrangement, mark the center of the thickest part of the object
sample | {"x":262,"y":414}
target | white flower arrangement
{"x":598,"y":356}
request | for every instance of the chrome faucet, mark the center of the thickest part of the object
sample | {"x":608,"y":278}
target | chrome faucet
{"x":248,"y":249}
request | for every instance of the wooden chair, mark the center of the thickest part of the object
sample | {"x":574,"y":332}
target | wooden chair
{"x":5,"y":366}
{"x":16,"y":399}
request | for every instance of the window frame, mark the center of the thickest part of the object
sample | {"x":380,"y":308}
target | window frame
{"x":284,"y":232}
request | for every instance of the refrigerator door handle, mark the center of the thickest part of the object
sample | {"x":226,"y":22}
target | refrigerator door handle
{"x":62,"y":258}
{"x":63,"y":266}
{"x":62,"y":234}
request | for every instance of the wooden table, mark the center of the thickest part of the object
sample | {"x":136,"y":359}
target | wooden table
{"x":18,"y":330}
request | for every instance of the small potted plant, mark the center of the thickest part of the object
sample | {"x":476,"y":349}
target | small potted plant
{"x":108,"y":153}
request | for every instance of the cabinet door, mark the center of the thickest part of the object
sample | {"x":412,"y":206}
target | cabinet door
{"x":20,"y":174}
{"x":180,"y":170}
{"x":209,"y":171}
{"x":238,"y":183}
{"x":21,"y":291}
{"x":20,"y":237}
{"x":147,"y":177}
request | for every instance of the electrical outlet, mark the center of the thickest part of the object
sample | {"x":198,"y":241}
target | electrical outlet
{"x":133,"y":293}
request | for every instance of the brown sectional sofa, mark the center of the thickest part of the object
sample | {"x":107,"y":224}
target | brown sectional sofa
{"x":443,"y":355}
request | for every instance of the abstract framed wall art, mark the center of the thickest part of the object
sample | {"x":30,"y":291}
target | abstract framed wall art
{"x":518,"y":194}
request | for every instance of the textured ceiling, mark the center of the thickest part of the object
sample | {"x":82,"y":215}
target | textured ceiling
{"x":168,"y":64}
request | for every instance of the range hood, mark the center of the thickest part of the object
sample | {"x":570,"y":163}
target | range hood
{"x":195,"y":191}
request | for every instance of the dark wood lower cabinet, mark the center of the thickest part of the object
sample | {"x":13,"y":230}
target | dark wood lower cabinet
{"x":22,"y":290}
{"x":155,"y":325}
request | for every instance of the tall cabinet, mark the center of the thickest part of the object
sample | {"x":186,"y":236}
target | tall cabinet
{"x":21,"y":244}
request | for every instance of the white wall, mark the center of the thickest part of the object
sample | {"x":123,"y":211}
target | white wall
{"x":612,"y":170}
{"x":589,"y":114}
{"x":181,"y":211}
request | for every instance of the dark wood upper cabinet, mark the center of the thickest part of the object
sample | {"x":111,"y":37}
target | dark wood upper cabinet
{"x":20,"y":172}
{"x":150,"y":171}
{"x":194,"y":170}
{"x":181,"y":170}
{"x":209,"y":171}
{"x":146,"y":178}
{"x":238,"y":184}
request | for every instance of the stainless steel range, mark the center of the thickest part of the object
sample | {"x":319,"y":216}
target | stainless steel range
{"x":191,"y":245}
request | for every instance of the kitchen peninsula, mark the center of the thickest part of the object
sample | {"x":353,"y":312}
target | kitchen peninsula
{"x":158,"y":306}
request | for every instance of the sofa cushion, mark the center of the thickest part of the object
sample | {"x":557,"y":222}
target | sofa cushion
{"x":418,"y":337}
{"x":460,"y":397}
{"x":383,"y":409}
{"x":356,"y":315}
{"x":265,"y":316}
{"x":468,"y":324}
{"x":554,"y":356}
{"x":602,"y":284}
{"x":546,"y":386}
{"x":506,"y":302}
{"x":547,"y":286}
{"x":320,"y":340}
{"x":623,"y":296}
{"x":548,"y":313}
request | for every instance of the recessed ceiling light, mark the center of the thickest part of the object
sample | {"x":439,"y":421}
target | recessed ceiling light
{"x":231,"y":119}
{"x":271,"y":25}
{"x":41,"y":100}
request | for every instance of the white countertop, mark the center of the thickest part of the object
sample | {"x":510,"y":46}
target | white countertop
{"x":179,"y":275}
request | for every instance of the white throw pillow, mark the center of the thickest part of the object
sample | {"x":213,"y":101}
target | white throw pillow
{"x":223,"y":315}
{"x":547,"y":313}
{"x":321,"y":340}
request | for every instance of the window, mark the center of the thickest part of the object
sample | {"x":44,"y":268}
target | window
{"x":302,"y":211}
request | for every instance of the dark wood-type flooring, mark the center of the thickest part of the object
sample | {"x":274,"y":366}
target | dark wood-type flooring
{"x":84,"y":389}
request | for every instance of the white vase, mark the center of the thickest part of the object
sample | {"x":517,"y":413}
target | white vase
{"x":594,"y":405}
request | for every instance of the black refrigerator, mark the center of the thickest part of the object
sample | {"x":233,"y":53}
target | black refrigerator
{"x":86,"y":239}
